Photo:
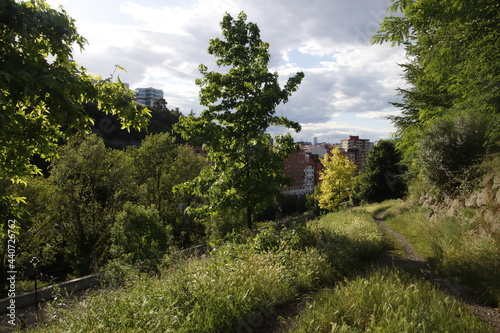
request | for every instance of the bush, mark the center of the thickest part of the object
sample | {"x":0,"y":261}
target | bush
{"x":451,"y":149}
{"x":138,"y":236}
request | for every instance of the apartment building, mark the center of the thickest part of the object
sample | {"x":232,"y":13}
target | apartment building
{"x":357,"y":150}
{"x":299,"y":167}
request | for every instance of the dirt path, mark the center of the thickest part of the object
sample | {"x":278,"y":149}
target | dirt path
{"x":414,"y":262}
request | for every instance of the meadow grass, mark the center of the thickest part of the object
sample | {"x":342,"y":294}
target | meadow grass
{"x":234,"y":287}
{"x":385,"y":301}
{"x":350,"y":238}
{"x":465,"y":247}
{"x":374,"y":208}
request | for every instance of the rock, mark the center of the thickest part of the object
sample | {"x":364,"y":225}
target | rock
{"x":471,"y":201}
{"x":483,"y":197}
{"x":496,"y":183}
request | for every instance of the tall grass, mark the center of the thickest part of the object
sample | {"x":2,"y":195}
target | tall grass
{"x":233,"y":288}
{"x":385,"y":301}
{"x":465,"y":247}
{"x":349,"y":238}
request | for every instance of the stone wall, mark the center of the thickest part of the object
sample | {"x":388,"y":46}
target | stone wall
{"x":486,"y":200}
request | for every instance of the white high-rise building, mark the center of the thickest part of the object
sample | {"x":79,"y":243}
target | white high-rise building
{"x":148,"y":96}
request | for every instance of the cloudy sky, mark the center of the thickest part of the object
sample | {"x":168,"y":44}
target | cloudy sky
{"x":348,"y":82}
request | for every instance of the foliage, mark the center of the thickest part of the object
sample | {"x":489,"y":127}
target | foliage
{"x":385,"y":301}
{"x":107,"y":126}
{"x":43,"y":91}
{"x":337,"y":180}
{"x":451,"y":149}
{"x":246,"y":172}
{"x":382,"y":177}
{"x":159,"y":166}
{"x":37,"y":234}
{"x":89,"y":185}
{"x":138,"y":235}
{"x":452,"y":66}
{"x":67,"y":217}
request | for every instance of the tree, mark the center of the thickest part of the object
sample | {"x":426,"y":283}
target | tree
{"x":453,"y":67}
{"x":159,"y":166}
{"x":337,"y":180}
{"x":382,"y":178}
{"x":90,"y":183}
{"x":240,"y":105}
{"x":43,"y":91}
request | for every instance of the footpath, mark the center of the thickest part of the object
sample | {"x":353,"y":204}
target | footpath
{"x":414,"y":262}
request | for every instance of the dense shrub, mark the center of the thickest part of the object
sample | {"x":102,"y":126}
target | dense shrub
{"x":139,"y":236}
{"x":450,"y":151}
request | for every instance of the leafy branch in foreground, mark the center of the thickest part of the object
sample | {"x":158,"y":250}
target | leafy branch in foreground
{"x":43,"y":91}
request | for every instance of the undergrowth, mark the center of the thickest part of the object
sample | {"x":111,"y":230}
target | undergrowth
{"x":232,"y":287}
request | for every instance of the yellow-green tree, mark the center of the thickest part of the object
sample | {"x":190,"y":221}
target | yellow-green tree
{"x":337,"y":180}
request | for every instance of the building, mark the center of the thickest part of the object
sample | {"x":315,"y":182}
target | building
{"x":357,"y":150}
{"x":148,"y":96}
{"x":300,"y":168}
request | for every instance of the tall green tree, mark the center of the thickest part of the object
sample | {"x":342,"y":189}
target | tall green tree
{"x":89,"y":185}
{"x":453,"y":66}
{"x":337,"y":180}
{"x":159,"y":166}
{"x":382,"y":178}
{"x":240,"y":105}
{"x":43,"y":91}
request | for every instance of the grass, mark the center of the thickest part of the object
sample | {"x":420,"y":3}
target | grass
{"x":385,"y":301}
{"x":239,"y":284}
{"x":233,"y":287}
{"x":374,"y":208}
{"x":465,"y":248}
{"x":350,"y":238}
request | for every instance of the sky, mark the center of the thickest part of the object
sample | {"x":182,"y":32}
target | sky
{"x":348,"y":84}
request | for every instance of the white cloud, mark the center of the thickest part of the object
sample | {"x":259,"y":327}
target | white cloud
{"x":378,"y":114}
{"x":161,"y":43}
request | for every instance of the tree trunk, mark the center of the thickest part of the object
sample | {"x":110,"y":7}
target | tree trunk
{"x":249,"y":217}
